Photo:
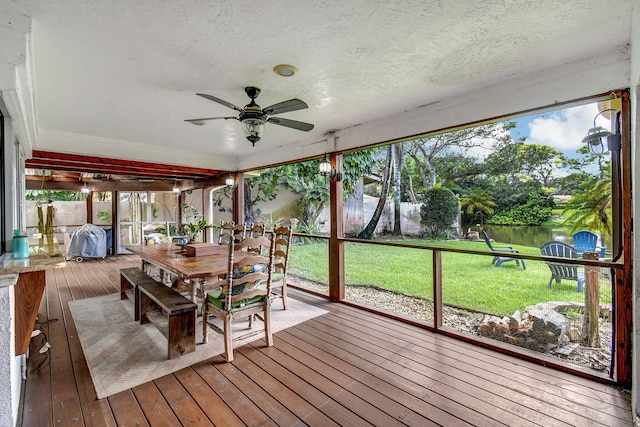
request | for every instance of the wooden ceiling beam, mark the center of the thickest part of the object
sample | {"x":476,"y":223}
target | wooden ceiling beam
{"x":131,"y":165}
{"x":101,"y":185}
{"x":111,"y":170}
{"x":56,"y":178}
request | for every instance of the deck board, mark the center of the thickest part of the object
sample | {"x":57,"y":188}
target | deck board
{"x":348,"y":367}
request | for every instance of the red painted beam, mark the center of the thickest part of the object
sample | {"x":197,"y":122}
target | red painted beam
{"x":110,"y":170}
{"x":134,"y":166}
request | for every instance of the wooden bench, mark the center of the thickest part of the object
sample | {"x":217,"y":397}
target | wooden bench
{"x":176,"y":318}
{"x":130,"y":278}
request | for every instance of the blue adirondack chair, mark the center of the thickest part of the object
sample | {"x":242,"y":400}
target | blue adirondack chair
{"x":586,"y":241}
{"x":498,"y":260}
{"x":561,"y":271}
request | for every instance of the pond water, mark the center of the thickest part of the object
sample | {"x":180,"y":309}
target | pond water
{"x":527,"y":235}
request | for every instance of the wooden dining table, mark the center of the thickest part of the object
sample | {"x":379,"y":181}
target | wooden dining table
{"x":195,"y":271}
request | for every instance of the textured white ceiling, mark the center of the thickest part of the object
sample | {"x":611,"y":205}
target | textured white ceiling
{"x":118,"y":78}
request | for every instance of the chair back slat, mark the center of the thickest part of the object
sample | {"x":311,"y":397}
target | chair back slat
{"x":254,"y":231}
{"x":585,"y":241}
{"x":248,"y":276}
{"x":561,"y":250}
{"x":487,"y":240}
{"x":228,"y":229}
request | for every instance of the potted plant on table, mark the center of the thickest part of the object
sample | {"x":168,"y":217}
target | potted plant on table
{"x":195,"y":222}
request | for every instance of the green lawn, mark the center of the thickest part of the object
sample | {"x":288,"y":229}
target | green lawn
{"x":469,"y":281}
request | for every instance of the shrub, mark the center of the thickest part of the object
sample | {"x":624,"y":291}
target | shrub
{"x":536,"y":211}
{"x":439,"y":211}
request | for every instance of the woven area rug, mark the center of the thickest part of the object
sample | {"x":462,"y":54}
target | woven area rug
{"x":121,"y":353}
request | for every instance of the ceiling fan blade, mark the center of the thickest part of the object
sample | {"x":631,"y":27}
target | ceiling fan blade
{"x":294,"y":124}
{"x":202,"y":120}
{"x":220,"y":101}
{"x":285,"y":106}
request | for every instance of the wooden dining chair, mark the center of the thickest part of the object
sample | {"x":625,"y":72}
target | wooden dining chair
{"x":255,"y":230}
{"x":228,"y":229}
{"x":282,"y":246}
{"x":243,"y":292}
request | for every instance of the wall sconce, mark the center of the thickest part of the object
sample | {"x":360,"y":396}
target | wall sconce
{"x":175,"y":189}
{"x":230,"y":181}
{"x":85,"y":190}
{"x":327,"y":170}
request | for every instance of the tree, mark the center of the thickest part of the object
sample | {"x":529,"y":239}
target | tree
{"x":586,"y":160}
{"x":397,"y":178}
{"x":439,"y":211}
{"x":591,"y":209}
{"x":427,"y":152}
{"x":259,"y":189}
{"x":304,"y":180}
{"x":368,"y":231}
{"x":54,"y":195}
{"x":531,"y":161}
{"x":477,"y":202}
{"x":535,"y":211}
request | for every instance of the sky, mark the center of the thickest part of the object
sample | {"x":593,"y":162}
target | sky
{"x":561,"y":129}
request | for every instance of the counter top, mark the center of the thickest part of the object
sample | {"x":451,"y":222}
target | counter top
{"x":44,"y":253}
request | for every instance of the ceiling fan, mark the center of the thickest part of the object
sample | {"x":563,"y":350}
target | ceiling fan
{"x":253,"y":117}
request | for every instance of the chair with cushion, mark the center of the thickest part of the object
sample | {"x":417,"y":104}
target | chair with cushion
{"x":586,"y":241}
{"x":498,"y":260}
{"x":282,"y":236}
{"x":243,"y":292}
{"x":559,"y":270}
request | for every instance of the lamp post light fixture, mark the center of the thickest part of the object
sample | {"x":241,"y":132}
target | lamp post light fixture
{"x":175,"y":189}
{"x":85,"y":190}
{"x":614,"y":145}
{"x":596,"y":133}
{"x":230,"y":181}
{"x":325,"y":166}
{"x":327,"y":170}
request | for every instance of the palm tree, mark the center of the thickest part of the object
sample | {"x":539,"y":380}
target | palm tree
{"x":591,"y":210}
{"x":476,"y":202}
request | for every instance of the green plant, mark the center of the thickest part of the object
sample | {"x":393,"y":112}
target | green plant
{"x":536,"y":211}
{"x":270,"y":223}
{"x":104,"y":215}
{"x":475,"y":203}
{"x":439,"y":211}
{"x":172,"y":230}
{"x":307,"y":229}
{"x":196,"y":221}
{"x":591,"y":209}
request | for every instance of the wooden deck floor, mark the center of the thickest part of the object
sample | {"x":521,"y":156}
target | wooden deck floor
{"x":348,"y":367}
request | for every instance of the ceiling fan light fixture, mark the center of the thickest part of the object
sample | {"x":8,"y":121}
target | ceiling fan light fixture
{"x":285,"y":70}
{"x":253,"y":118}
{"x":253,"y":128}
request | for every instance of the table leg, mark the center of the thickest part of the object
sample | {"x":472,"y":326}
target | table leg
{"x":194,"y":289}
